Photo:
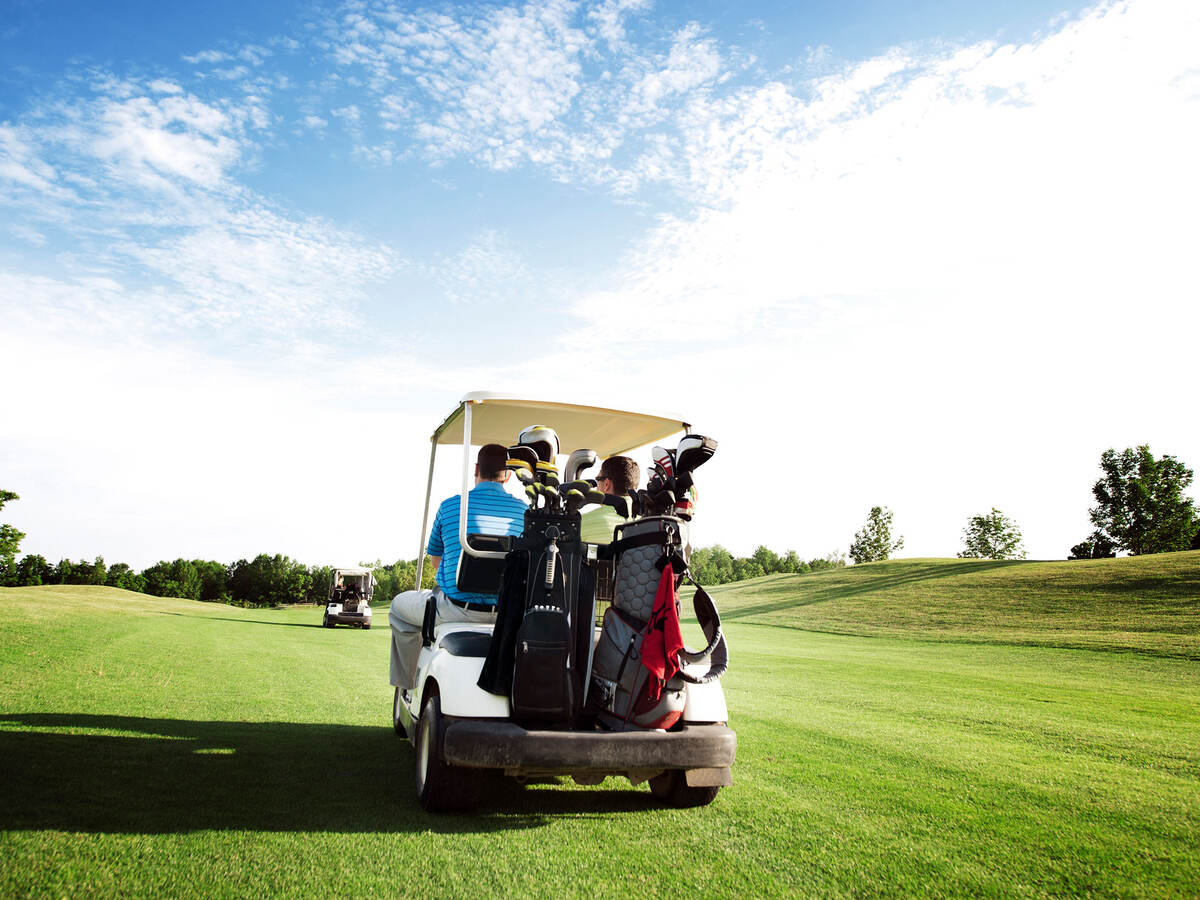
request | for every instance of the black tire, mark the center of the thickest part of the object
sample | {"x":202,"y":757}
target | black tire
{"x":440,"y":786}
{"x":397,"y":723}
{"x":325,"y":623}
{"x":367,"y":626}
{"x":672,"y":788}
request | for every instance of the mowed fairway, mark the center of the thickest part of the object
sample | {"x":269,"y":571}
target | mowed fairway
{"x":162,"y":747}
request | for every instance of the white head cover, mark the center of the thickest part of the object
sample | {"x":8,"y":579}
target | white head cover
{"x":544,"y":440}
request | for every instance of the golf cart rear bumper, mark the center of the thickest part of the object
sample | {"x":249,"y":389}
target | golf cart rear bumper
{"x":503,"y":745}
{"x":345,"y":618}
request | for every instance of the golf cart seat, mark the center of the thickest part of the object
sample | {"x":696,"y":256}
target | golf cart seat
{"x":482,"y":576}
{"x":475,"y":576}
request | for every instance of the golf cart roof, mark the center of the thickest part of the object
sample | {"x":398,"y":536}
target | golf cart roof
{"x":352,"y":570}
{"x":498,"y":418}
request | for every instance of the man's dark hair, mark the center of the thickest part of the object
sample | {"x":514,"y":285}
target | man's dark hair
{"x":624,"y":473}
{"x":491,"y":460}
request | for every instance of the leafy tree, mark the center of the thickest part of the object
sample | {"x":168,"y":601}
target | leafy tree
{"x":874,"y":542}
{"x":767,"y":560}
{"x":992,"y":536}
{"x":64,"y":572}
{"x":1140,"y":505}
{"x":1095,"y":547}
{"x":214,"y":580}
{"x":834,"y":559}
{"x":120,"y":575}
{"x":33,"y":569}
{"x":319,"y":580}
{"x":792,"y":564}
{"x":10,"y":544}
{"x":712,"y":565}
{"x":95,"y":573}
{"x":746,"y":568}
{"x":268,"y":580}
{"x":173,"y":579}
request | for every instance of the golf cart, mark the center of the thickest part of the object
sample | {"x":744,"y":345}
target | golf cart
{"x":349,"y":603}
{"x":552,"y":689}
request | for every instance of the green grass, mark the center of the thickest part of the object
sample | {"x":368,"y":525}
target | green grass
{"x":155,"y":747}
{"x":1148,"y":603}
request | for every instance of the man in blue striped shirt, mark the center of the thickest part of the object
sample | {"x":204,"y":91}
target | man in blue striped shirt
{"x":490,"y":510}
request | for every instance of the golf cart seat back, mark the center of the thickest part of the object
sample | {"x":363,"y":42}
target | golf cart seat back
{"x":638,"y":547}
{"x":482,"y":576}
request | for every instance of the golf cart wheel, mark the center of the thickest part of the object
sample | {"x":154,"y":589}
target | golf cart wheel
{"x":440,"y":786}
{"x":397,"y":722}
{"x":325,"y":623}
{"x":672,"y":788}
{"x":367,"y":626}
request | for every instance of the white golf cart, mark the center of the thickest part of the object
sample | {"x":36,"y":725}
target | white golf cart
{"x":350,"y":592}
{"x":464,"y":734}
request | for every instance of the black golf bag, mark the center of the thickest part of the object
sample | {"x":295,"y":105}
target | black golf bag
{"x":543,"y":637}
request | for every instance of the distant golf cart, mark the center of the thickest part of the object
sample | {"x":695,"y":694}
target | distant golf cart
{"x":569,"y":696}
{"x":350,"y":591}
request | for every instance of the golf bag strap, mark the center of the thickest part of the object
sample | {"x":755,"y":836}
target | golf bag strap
{"x":717,"y":651}
{"x":616,"y":548}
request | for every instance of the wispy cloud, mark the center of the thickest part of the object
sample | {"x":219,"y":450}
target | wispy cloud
{"x":159,"y":232}
{"x":990,"y":174}
{"x":553,"y":85}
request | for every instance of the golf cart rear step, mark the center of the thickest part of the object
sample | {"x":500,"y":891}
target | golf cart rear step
{"x":503,"y":745}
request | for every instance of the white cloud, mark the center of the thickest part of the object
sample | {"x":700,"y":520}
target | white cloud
{"x":207,"y":56}
{"x":161,"y":237}
{"x":554,"y":84}
{"x":922,"y":270}
{"x":488,"y":267}
{"x":172,"y":137}
{"x":609,"y":18}
{"x":692,"y":61}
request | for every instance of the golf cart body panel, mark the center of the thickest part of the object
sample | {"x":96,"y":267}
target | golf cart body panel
{"x":705,"y":702}
{"x":456,"y":726}
{"x":456,"y":677}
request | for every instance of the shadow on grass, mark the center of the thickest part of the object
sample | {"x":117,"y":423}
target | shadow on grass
{"x":159,"y":612}
{"x":165,"y":776}
{"x":840,"y":590}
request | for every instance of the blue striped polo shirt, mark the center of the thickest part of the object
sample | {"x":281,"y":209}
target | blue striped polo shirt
{"x":490,"y":510}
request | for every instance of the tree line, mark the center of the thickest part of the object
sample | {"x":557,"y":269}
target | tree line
{"x":1140,"y":508}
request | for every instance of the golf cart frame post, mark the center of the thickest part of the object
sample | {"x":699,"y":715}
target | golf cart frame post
{"x":577,"y":425}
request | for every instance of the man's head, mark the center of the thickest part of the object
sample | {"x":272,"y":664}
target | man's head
{"x":490,"y":463}
{"x":618,"y":475}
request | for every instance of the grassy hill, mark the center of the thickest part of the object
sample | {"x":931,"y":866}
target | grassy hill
{"x":1145,"y":603}
{"x":158,"y":747}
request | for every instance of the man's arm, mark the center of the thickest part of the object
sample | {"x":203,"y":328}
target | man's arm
{"x":435,"y":561}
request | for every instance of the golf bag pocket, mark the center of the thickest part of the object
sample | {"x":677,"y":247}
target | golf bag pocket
{"x":639,"y":547}
{"x":541,"y":678}
{"x":619,"y":691}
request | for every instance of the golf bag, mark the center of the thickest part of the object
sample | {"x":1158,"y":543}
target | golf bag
{"x":549,"y":650}
{"x":624,"y":692}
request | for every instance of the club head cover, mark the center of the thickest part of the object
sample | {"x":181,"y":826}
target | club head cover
{"x":621,"y":504}
{"x":577,"y":462}
{"x":664,"y":459}
{"x":542,"y":439}
{"x":547,"y":473}
{"x":522,"y":460}
{"x":693,"y":451}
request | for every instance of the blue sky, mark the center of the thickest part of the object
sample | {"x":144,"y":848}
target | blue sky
{"x":886,"y":253}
